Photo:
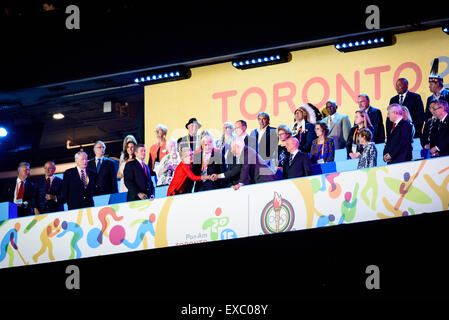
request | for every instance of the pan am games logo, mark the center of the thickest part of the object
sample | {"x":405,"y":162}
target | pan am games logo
{"x":216,"y":227}
{"x":277,"y":216}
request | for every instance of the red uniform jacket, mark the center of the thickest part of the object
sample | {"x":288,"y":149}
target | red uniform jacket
{"x":182,"y":181}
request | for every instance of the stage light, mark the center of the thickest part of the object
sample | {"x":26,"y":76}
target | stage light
{"x":3,"y":132}
{"x":445,"y":29}
{"x":261,"y":59}
{"x":58,"y":116}
{"x":364,"y":42}
{"x":163,"y":75}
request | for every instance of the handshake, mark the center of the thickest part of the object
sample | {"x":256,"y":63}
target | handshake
{"x":212,"y":177}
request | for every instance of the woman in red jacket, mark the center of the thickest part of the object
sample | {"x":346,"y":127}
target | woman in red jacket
{"x":183,"y":178}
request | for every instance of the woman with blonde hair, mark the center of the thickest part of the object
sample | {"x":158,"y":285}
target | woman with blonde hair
{"x":361,"y":120}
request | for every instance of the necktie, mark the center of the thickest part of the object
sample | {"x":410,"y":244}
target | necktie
{"x":401,"y":99}
{"x":144,"y":169}
{"x":394,"y":126}
{"x":290,"y":160}
{"x":21,"y":191}
{"x":98,"y":165}
{"x":48,"y":184}
{"x":83,"y":179}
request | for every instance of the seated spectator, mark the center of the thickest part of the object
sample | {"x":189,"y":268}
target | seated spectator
{"x":249,"y":166}
{"x":323,"y":148}
{"x":368,"y":155}
{"x":127,"y":155}
{"x":207,"y":162}
{"x":338,"y":125}
{"x":168,"y":165}
{"x":183,"y":178}
{"x":439,"y":144}
{"x":398,"y":147}
{"x":304,"y":127}
{"x":361,"y":120}
{"x":48,"y":191}
{"x":228,"y":133}
{"x":298,"y":164}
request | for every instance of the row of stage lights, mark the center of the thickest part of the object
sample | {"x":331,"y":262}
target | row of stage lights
{"x":375,"y":40}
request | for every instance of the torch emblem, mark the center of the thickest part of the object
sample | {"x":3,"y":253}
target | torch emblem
{"x":277,"y":216}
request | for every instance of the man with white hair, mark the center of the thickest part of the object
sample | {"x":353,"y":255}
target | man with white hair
{"x":439,"y":143}
{"x":207,"y":162}
{"x":248,"y":167}
{"x":20,"y":191}
{"x":398,"y":147}
{"x":78,"y":184}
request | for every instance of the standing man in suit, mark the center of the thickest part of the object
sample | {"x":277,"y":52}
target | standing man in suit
{"x":398,"y":147}
{"x":410,"y":100}
{"x":48,"y":191}
{"x":439,"y":143}
{"x":338,"y":124}
{"x":78,"y":184}
{"x":375,"y":116}
{"x":20,"y":191}
{"x":240,"y":127}
{"x":266,"y":139}
{"x":298,"y":164}
{"x":137,"y":177}
{"x":106,"y":180}
{"x":439,"y":92}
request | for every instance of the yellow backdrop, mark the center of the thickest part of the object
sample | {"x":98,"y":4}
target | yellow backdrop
{"x":220,"y":92}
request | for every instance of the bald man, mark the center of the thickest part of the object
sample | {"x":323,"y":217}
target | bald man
{"x":298,"y":164}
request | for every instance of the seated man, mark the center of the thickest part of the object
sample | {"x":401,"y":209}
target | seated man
{"x":251,"y":167}
{"x":398,"y":147}
{"x":298,"y":164}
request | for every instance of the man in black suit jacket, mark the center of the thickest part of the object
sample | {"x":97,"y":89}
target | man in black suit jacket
{"x":412,"y":101}
{"x":375,"y":116}
{"x":138,"y":177}
{"x":398,"y":147}
{"x":106,"y":181}
{"x":439,"y":143}
{"x":439,"y":92}
{"x":78,"y":184}
{"x":210,"y":160}
{"x":21,"y":191}
{"x":266,"y":139}
{"x":245,"y":166}
{"x":48,"y":191}
{"x":298,"y":164}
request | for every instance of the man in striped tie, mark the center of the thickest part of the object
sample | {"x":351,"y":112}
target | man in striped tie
{"x":137,"y":177}
{"x":20,"y":191}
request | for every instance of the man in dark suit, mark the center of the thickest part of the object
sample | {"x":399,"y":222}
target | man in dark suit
{"x":207,"y":162}
{"x":412,"y":101}
{"x":430,"y":127}
{"x":245,"y":166}
{"x":78,"y":184}
{"x":48,"y":191}
{"x":20,"y":191}
{"x":439,"y":92}
{"x":266,"y":139}
{"x":240,"y":127}
{"x":106,"y":180}
{"x":138,"y":177}
{"x":298,"y":164}
{"x":439,"y":143}
{"x":375,"y":116}
{"x":398,"y":147}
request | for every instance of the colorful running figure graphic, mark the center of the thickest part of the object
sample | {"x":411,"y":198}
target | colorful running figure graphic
{"x":371,"y":184}
{"x":77,"y":235}
{"x":8,"y":241}
{"x":52,"y":229}
{"x":146,"y":226}
{"x":349,"y":207}
{"x":102,"y":215}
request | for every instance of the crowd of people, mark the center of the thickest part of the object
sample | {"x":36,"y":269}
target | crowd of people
{"x":198,"y":162}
